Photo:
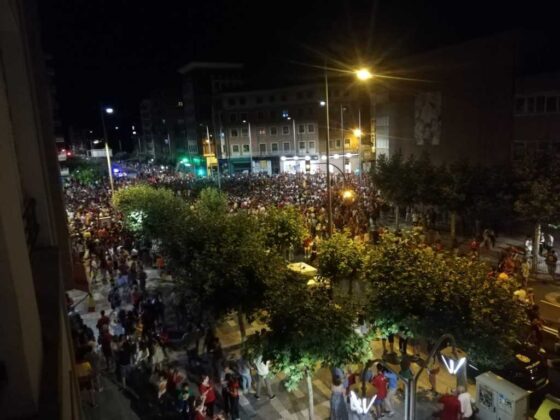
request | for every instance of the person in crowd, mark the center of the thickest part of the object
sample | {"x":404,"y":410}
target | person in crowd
{"x":263,"y":370}
{"x":232,"y":395}
{"x":392,"y":385}
{"x":244,"y":371}
{"x":339,"y":409}
{"x":466,"y":401}
{"x":206,"y":390}
{"x":450,"y":407}
{"x":379,"y":381}
{"x":551,"y":261}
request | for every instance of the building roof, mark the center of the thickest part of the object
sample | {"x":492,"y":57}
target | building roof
{"x":202,"y":65}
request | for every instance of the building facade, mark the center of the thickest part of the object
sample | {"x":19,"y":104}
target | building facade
{"x":284,"y":130}
{"x":454,"y":103}
{"x":36,"y":356}
{"x":536,"y":130}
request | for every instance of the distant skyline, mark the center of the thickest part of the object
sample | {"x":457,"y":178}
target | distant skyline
{"x":117,"y":51}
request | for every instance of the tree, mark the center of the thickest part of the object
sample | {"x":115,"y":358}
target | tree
{"x":395,"y":178}
{"x":306,"y":329}
{"x":538,"y":200}
{"x":340,"y":258}
{"x":431,"y":294}
{"x":284,"y":228}
{"x":152,"y":213}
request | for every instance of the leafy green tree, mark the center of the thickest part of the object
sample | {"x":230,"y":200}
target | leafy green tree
{"x":153,"y":213}
{"x":340,"y":258}
{"x":395,"y":178}
{"x":538,"y":200}
{"x":284,"y":228}
{"x":431,"y":294}
{"x":306,"y":329}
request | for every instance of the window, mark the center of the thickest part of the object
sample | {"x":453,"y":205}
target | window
{"x":260,"y":115}
{"x":243,"y":116}
{"x":520,"y":105}
{"x":301,"y":128}
{"x":530,"y":105}
{"x":261,"y":131}
{"x":234,"y":132}
{"x":235,"y":148}
{"x":272,"y":98}
{"x":231,"y":101}
{"x":245,"y":132}
{"x":262,"y":147}
{"x":259,"y":99}
{"x":331,"y":144}
{"x":346,"y":142}
{"x":274,"y":147}
{"x":338,"y":144}
{"x":301,"y":145}
{"x":285,"y":130}
{"x":286,"y":147}
{"x":242,"y":100}
{"x":310,"y":128}
{"x":232,"y":117}
{"x":273,"y":131}
{"x":180,"y":104}
{"x":551,"y":104}
{"x":245,"y":148}
{"x":312,"y":146}
{"x":540,"y":103}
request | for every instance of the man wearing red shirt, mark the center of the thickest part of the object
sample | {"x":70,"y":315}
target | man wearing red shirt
{"x":379,"y":381}
{"x":451,"y":407}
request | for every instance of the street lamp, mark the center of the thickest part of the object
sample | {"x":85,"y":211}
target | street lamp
{"x":250,"y":146}
{"x":357,"y":132}
{"x":363,"y":74}
{"x":104,"y":111}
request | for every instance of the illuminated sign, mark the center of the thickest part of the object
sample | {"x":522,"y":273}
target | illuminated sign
{"x":360,"y":405}
{"x":453,"y":366}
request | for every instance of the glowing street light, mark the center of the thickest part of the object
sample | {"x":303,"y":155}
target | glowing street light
{"x":357,"y":132}
{"x":322,"y":103}
{"x":109,"y":110}
{"x":363,"y":74}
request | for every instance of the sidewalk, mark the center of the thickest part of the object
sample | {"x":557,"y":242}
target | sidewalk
{"x":114,"y":403}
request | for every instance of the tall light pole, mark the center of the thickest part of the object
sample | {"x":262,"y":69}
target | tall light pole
{"x":328,"y":150}
{"x":104,"y":111}
{"x":342,"y":109}
{"x":250,"y":146}
{"x":215,"y":153}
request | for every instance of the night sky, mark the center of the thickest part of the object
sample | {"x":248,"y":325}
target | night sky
{"x":115,"y":51}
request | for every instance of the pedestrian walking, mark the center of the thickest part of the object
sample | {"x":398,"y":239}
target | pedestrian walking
{"x":244,"y":371}
{"x":232,"y":395}
{"x":263,"y":370}
{"x":206,"y":390}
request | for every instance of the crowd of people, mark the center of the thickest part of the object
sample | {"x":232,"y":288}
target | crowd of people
{"x":133,"y":338}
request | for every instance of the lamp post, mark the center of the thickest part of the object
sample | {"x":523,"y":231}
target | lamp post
{"x":250,"y":146}
{"x":328,"y":149}
{"x":215,"y":153}
{"x":104,"y":111}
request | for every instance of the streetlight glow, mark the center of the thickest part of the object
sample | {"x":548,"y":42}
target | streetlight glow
{"x":322,"y":103}
{"x":109,"y":110}
{"x":357,"y":132}
{"x":363,"y":74}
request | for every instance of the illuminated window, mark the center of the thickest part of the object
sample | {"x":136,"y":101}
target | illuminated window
{"x":261,"y":131}
{"x":179,"y":103}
